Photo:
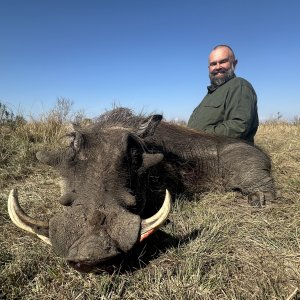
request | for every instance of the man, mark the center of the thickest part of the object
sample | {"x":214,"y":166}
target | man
{"x":230,"y":106}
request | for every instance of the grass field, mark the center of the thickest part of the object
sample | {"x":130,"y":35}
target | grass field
{"x":214,"y":246}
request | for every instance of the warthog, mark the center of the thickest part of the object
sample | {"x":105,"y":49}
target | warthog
{"x":118,"y":171}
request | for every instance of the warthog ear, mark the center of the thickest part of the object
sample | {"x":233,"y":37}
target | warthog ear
{"x":54,"y":158}
{"x":137,"y":152}
{"x":147,"y":128}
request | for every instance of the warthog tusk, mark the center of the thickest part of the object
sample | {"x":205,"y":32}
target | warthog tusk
{"x":25,"y":222}
{"x":148,"y":226}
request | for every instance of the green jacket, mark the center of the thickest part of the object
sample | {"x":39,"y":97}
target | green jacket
{"x":230,"y":110}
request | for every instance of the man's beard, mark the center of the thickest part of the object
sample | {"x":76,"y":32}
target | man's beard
{"x":217,"y":81}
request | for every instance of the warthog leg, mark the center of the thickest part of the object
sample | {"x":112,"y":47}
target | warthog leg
{"x":259,"y":198}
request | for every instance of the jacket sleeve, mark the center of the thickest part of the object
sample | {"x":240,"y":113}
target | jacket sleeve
{"x":240,"y":112}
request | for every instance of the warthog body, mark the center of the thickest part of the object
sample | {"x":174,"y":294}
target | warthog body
{"x":116,"y":172}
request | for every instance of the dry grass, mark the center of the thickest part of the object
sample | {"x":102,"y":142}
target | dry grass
{"x":214,"y":247}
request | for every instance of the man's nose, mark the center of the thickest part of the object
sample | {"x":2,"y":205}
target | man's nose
{"x":218,"y":65}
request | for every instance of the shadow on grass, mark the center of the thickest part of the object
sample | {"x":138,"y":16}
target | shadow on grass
{"x":146,"y":252}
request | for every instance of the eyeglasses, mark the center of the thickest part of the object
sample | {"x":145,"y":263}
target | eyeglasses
{"x":220,"y":62}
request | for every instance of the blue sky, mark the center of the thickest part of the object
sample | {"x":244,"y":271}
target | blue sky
{"x":149,"y":55}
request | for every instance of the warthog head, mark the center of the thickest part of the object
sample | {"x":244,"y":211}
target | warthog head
{"x":105,"y":170}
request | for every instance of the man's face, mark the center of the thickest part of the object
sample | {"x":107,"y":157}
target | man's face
{"x":221,"y":65}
